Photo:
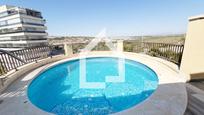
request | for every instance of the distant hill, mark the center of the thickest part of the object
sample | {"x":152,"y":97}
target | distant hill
{"x":173,"y":39}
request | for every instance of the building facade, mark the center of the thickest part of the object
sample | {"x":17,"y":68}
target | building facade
{"x":21,"y":27}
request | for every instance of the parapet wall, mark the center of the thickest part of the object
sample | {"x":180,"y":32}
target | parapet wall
{"x":193,"y":56}
{"x":25,"y":69}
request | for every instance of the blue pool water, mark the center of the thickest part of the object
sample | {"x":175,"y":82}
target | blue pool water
{"x":56,"y":90}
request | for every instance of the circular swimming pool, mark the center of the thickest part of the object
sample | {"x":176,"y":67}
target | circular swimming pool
{"x":57,"y":89}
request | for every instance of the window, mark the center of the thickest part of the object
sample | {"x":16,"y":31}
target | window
{"x":2,"y":23}
{"x":13,"y":21}
{"x":27,"y":20}
{"x":3,"y":14}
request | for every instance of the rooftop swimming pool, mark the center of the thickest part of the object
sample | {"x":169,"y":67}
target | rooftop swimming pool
{"x":57,"y":90}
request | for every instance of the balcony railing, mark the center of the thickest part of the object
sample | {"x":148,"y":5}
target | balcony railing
{"x":14,"y":59}
{"x":170,"y":52}
{"x":28,"y":13}
{"x":8,"y":62}
{"x":19,"y":31}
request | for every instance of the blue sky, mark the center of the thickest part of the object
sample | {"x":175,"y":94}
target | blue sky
{"x":119,"y":17}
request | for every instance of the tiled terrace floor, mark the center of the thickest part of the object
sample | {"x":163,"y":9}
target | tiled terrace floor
{"x":195,"y":92}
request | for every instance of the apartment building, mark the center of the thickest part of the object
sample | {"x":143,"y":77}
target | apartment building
{"x":21,"y":27}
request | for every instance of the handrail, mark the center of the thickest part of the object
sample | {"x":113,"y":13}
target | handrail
{"x":6,"y":52}
{"x":10,"y":60}
{"x":170,"y":52}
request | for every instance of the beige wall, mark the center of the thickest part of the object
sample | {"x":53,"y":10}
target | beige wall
{"x":120,"y":45}
{"x":193,"y":57}
{"x":68,"y":49}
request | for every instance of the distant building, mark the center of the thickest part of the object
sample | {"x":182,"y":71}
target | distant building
{"x":21,"y":27}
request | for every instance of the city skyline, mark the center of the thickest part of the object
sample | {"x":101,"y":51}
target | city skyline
{"x":120,"y":18}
